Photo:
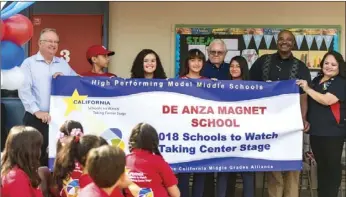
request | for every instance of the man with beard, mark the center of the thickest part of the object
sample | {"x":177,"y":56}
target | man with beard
{"x":275,"y":67}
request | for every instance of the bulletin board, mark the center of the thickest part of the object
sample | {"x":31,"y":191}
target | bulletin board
{"x":251,"y":41}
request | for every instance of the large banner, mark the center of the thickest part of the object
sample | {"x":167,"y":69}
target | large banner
{"x":203,"y":125}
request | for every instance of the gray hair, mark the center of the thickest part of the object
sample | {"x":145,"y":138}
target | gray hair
{"x":217,"y":41}
{"x":47,"y":30}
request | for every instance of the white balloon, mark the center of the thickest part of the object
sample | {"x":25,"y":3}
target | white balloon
{"x":12,"y":79}
{"x":3,"y":4}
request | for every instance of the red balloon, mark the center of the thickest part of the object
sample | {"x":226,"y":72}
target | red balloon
{"x":2,"y":29}
{"x":19,"y":29}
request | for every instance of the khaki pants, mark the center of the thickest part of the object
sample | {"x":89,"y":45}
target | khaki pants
{"x":283,"y":184}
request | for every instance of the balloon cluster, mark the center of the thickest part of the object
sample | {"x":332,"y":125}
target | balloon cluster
{"x":16,"y":30}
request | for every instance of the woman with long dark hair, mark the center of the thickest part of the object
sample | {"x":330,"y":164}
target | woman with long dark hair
{"x":238,"y":70}
{"x":326,"y":114}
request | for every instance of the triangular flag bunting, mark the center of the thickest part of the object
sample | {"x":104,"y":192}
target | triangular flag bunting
{"x":299,"y":40}
{"x":258,"y":39}
{"x":319,"y":40}
{"x":268,"y":40}
{"x":276,"y":38}
{"x":247,"y":39}
{"x":336,"y":42}
{"x":328,"y":40}
{"x":309,"y":39}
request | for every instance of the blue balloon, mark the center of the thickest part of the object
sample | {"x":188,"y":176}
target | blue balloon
{"x":9,"y":7}
{"x":20,"y":6}
{"x":11,"y":55}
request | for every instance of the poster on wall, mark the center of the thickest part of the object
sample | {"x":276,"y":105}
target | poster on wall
{"x":312,"y":42}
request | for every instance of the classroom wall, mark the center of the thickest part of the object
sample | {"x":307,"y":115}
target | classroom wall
{"x":137,"y":25}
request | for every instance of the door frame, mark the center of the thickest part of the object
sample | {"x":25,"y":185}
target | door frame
{"x":71,"y":8}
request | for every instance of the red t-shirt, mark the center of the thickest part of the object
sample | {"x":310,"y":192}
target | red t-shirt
{"x":150,"y":171}
{"x":186,"y":77}
{"x":91,"y":74}
{"x":93,"y":190}
{"x":16,"y":183}
{"x":85,"y":180}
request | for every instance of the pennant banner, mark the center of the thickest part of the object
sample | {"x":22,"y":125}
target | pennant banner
{"x":258,"y":39}
{"x":276,"y":38}
{"x":268,"y":40}
{"x":336,"y":43}
{"x":299,"y":40}
{"x":202,"y":125}
{"x":328,"y":40}
{"x":309,"y":40}
{"x":319,"y":40}
{"x":247,"y":39}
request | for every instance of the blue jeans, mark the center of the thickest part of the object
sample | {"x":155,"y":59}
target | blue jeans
{"x":197,"y":186}
{"x":228,"y":180}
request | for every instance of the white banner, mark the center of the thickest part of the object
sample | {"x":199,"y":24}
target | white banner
{"x":203,"y":125}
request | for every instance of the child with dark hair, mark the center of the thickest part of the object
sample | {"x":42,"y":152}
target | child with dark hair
{"x":193,"y":65}
{"x":192,"y":70}
{"x":69,"y":163}
{"x":98,"y":57}
{"x":69,"y":128}
{"x":238,"y":70}
{"x":147,"y":64}
{"x":106,"y":166}
{"x":20,"y":162}
{"x":146,"y":167}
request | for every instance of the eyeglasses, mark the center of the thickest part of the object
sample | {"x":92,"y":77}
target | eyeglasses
{"x":216,"y":52}
{"x":51,"y":41}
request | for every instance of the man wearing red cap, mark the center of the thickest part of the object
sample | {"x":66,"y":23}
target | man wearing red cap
{"x":98,"y":57}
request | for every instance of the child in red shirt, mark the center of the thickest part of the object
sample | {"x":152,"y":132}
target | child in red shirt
{"x":68,"y":175}
{"x":69,"y":128}
{"x":193,"y":65}
{"x":98,"y":57}
{"x":106,"y":166}
{"x":20,"y":162}
{"x":146,"y":167}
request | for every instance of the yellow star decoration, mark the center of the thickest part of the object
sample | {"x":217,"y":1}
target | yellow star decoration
{"x":70,"y":101}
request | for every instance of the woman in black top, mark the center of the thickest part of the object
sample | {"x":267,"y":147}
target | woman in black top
{"x":326,"y":115}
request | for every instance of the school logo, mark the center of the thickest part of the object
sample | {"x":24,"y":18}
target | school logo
{"x":146,"y":192}
{"x":72,"y":102}
{"x":76,"y":101}
{"x":72,"y":188}
{"x":114,"y":137}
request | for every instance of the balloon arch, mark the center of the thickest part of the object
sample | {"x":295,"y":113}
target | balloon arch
{"x":16,"y":30}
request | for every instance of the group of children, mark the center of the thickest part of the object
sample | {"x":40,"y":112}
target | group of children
{"x":147,"y":64}
{"x":86,"y":166}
